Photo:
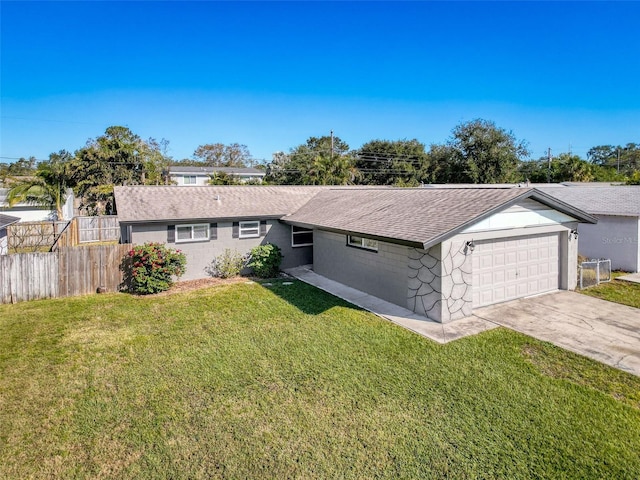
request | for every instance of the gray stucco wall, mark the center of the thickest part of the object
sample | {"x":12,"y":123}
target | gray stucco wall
{"x":383,"y":273}
{"x":569,"y":246}
{"x":613,"y":237}
{"x":201,"y":254}
{"x":440,"y":281}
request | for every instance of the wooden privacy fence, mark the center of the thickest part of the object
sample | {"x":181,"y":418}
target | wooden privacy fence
{"x":89,"y":230}
{"x":33,"y":236}
{"x":67,"y":272}
{"x":28,"y":276}
{"x":98,"y":229}
{"x":40,"y":236}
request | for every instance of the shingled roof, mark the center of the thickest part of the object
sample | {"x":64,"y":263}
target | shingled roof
{"x":417,"y":217}
{"x":618,"y":200}
{"x":6,"y":220}
{"x":161,"y":203}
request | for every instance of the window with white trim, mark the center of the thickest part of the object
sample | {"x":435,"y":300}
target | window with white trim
{"x":192,"y":233}
{"x":189,"y":180}
{"x":249,"y":229}
{"x":301,"y":237}
{"x":362,"y":242}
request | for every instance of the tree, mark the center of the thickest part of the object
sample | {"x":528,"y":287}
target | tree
{"x":630,"y":159}
{"x":119,"y":157}
{"x":21,"y":167}
{"x":443,"y":166}
{"x":222,"y":178}
{"x":563,"y":168}
{"x":47,"y":187}
{"x":625,"y":160}
{"x":328,"y":170}
{"x":571,"y":168}
{"x":400,"y":162}
{"x":211,"y":154}
{"x":481,"y":152}
{"x":634,"y":178}
{"x":219,"y":155}
{"x":604,"y":155}
{"x":606,"y":174}
{"x":279,"y":168}
{"x":314,"y":163}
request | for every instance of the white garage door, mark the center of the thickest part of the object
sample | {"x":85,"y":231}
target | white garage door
{"x":510,"y":268}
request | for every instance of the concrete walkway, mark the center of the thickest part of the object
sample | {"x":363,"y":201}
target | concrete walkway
{"x":439,"y":332}
{"x":632,"y":277}
{"x":605,"y":331}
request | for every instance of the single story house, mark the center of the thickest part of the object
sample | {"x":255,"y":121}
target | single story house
{"x":200,"y":176}
{"x":5,"y":221}
{"x":204,"y":221}
{"x":28,"y":212}
{"x":439,"y":252}
{"x":617,"y":233}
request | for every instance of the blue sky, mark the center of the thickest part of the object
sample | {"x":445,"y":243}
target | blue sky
{"x":271,"y":74}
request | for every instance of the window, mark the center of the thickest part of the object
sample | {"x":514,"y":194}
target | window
{"x":192,"y":233}
{"x":301,"y":237}
{"x":362,"y":242}
{"x":249,"y":229}
{"x":189,"y":180}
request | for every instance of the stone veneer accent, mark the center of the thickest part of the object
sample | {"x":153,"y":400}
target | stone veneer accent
{"x":440,"y":281}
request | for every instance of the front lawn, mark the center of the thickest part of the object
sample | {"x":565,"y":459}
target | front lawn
{"x":618,"y":291}
{"x":285,"y":381}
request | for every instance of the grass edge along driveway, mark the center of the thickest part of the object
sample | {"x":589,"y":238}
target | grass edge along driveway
{"x":248,"y":381}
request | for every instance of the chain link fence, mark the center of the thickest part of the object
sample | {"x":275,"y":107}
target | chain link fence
{"x":594,"y":272}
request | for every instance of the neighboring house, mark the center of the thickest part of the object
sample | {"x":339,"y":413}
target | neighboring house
{"x":199,"y":176}
{"x":27,"y":212}
{"x":441,"y":252}
{"x":616,"y":235}
{"x":5,"y":221}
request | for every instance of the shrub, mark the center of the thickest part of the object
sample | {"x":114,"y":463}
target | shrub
{"x":150,"y":268}
{"x":634,"y":179}
{"x":227,"y":265}
{"x":265,"y":260}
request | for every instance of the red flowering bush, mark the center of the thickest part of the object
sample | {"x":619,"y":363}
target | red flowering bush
{"x":151,"y":268}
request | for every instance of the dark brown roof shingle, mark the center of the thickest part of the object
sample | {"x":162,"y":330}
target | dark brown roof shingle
{"x":415,"y":216}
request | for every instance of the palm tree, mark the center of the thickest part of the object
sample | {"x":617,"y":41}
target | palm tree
{"x":338,"y":170}
{"x":47,"y":187}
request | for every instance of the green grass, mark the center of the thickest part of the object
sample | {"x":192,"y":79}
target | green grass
{"x":245,"y":381}
{"x":618,"y":291}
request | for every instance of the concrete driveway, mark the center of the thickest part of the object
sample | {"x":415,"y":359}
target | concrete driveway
{"x":605,"y":331}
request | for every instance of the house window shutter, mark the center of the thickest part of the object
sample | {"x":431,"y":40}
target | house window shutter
{"x":263,"y":228}
{"x":236,"y":230}
{"x":213,"y":231}
{"x":171,"y":234}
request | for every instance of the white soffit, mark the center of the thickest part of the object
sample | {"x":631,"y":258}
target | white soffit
{"x":527,"y":213}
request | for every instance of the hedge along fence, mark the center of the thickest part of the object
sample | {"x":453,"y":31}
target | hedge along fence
{"x":67,"y":272}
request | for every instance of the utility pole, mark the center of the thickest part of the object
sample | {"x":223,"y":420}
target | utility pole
{"x":549,"y":165}
{"x":618,"y":159}
{"x":332,"y":145}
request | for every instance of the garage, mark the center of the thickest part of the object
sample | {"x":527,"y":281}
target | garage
{"x":508,"y":268}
